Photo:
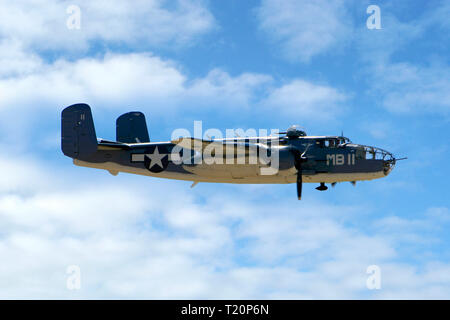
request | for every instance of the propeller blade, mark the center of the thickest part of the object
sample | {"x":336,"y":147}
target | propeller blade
{"x":298,"y":160}
{"x":299,"y":185}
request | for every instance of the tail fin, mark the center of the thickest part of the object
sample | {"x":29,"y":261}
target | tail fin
{"x":78,"y":138}
{"x":132,"y":128}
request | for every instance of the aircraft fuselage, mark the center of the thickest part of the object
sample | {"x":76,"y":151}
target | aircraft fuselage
{"x":293,"y":158}
{"x":330,"y":164}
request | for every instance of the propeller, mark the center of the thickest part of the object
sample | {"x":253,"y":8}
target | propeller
{"x":299,"y":183}
{"x":299,"y":159}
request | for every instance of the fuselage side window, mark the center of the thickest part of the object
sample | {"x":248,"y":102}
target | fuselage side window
{"x":320,"y":143}
{"x":332,"y":143}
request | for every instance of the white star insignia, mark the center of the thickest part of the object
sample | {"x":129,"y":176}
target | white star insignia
{"x":156,"y":157}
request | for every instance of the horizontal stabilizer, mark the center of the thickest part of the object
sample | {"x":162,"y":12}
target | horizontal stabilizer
{"x":112,"y":145}
{"x":131,"y":127}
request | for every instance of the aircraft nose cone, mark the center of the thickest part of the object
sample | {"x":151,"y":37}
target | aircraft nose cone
{"x":388,"y":165}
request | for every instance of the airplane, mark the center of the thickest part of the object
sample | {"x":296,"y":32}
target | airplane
{"x":290,"y":157}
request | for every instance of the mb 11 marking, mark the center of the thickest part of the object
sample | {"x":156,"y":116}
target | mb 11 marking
{"x":339,"y":159}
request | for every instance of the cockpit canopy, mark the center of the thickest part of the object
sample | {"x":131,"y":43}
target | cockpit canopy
{"x":332,"y":142}
{"x":343,"y":140}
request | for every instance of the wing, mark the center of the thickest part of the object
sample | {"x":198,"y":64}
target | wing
{"x":193,"y":143}
{"x":201,"y":145}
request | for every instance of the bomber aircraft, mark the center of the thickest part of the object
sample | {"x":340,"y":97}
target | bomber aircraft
{"x":290,"y":157}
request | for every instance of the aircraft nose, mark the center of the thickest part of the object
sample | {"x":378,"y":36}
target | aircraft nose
{"x":388,"y":165}
{"x":388,"y":161}
{"x":386,"y":157}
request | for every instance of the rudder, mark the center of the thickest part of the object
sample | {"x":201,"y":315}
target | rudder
{"x":131,"y":127}
{"x":78,"y":138}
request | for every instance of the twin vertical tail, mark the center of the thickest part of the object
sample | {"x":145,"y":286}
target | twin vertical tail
{"x":78,"y":138}
{"x":131,"y":127}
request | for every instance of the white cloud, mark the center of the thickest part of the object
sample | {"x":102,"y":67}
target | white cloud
{"x":307,"y":100}
{"x":304,"y":29}
{"x":145,"y":80}
{"x":378,"y":129}
{"x":15,"y":61}
{"x":441,"y":214}
{"x":132,"y":238}
{"x":41,"y":24}
{"x":118,"y":79}
{"x":376,"y":46}
{"x":221,"y":87}
{"x":415,"y":89}
{"x":407,"y":87}
{"x":113,"y":80}
{"x":438,"y":15}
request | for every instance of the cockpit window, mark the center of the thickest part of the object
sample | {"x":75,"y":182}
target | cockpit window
{"x":330,"y":143}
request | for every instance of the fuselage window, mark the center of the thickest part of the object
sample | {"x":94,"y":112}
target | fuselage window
{"x":329,"y":143}
{"x":320,"y":143}
{"x":360,"y":154}
{"x":332,"y":143}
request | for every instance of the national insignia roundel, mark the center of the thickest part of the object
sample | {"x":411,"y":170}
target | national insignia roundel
{"x":156,"y":158}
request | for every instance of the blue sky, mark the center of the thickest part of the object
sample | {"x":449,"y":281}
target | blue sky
{"x":231,"y":64}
